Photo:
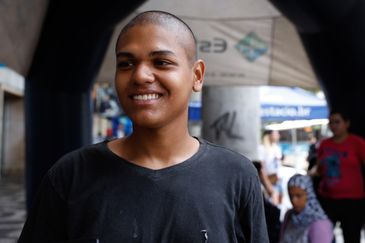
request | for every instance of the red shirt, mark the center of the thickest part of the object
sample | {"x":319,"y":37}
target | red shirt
{"x":340,"y":168}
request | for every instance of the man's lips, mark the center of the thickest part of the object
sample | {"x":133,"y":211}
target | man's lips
{"x":145,"y":97}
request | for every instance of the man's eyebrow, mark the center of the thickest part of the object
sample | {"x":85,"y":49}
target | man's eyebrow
{"x":152,"y":54}
{"x":125,"y":54}
{"x":162,"y":53}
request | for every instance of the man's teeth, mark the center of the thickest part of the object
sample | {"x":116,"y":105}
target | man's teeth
{"x":146,"y":97}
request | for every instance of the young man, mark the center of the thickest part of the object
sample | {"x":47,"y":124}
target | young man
{"x":158,"y":184}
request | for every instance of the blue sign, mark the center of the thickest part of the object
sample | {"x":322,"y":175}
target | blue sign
{"x":283,"y":113}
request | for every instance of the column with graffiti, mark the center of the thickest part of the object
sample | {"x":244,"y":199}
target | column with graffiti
{"x":231,"y":117}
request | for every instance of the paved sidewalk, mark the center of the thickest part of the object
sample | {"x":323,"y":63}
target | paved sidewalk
{"x":12,"y":209}
{"x":339,"y":238}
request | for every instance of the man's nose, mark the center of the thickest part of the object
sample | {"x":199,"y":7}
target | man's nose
{"x":143,"y":73}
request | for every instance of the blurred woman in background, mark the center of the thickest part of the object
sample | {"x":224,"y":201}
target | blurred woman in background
{"x":270,"y":156}
{"x":341,"y":188}
{"x":306,"y":221}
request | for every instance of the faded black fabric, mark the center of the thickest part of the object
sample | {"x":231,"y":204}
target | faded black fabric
{"x":92,"y":193}
{"x":272,"y":216}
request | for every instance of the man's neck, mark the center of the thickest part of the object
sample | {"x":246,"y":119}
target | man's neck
{"x":156,"y":149}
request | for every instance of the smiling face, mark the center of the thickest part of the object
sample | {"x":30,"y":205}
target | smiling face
{"x":154,"y":76}
{"x":298,"y":198}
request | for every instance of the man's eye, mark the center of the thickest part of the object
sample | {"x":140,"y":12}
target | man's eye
{"x":124,"y":64}
{"x":161,"y":63}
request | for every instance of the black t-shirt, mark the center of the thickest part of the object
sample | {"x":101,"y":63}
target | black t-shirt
{"x":92,"y":195}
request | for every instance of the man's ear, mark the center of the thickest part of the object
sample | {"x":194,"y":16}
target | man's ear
{"x":199,"y":69}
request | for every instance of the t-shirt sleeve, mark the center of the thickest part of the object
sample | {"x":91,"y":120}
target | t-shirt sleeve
{"x":252,"y":214}
{"x":361,"y":149}
{"x":321,"y":231}
{"x":46,"y":219}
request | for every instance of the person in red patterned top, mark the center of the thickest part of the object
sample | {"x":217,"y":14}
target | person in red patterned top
{"x":341,"y":189}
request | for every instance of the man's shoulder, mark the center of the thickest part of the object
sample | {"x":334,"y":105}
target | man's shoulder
{"x":78,"y":156}
{"x":79,"y":162}
{"x":221,"y":155}
{"x":79,"y":169}
{"x":217,"y":149}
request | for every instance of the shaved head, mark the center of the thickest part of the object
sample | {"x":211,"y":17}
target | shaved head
{"x":170,"y":22}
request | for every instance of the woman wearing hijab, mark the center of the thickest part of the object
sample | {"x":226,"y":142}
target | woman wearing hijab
{"x":306,"y":222}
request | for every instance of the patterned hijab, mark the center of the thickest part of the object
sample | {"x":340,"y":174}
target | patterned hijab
{"x":313,"y":210}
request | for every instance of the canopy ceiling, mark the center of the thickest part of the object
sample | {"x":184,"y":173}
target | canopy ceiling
{"x":20,"y":25}
{"x":243,"y":42}
{"x":251,"y":43}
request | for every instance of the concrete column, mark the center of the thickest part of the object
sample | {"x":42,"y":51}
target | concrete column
{"x":231,"y":117}
{"x":195,"y":124}
{"x":1,"y":129}
{"x":13,"y":136}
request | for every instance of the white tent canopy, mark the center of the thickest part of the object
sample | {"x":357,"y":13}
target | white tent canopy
{"x":243,"y":43}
